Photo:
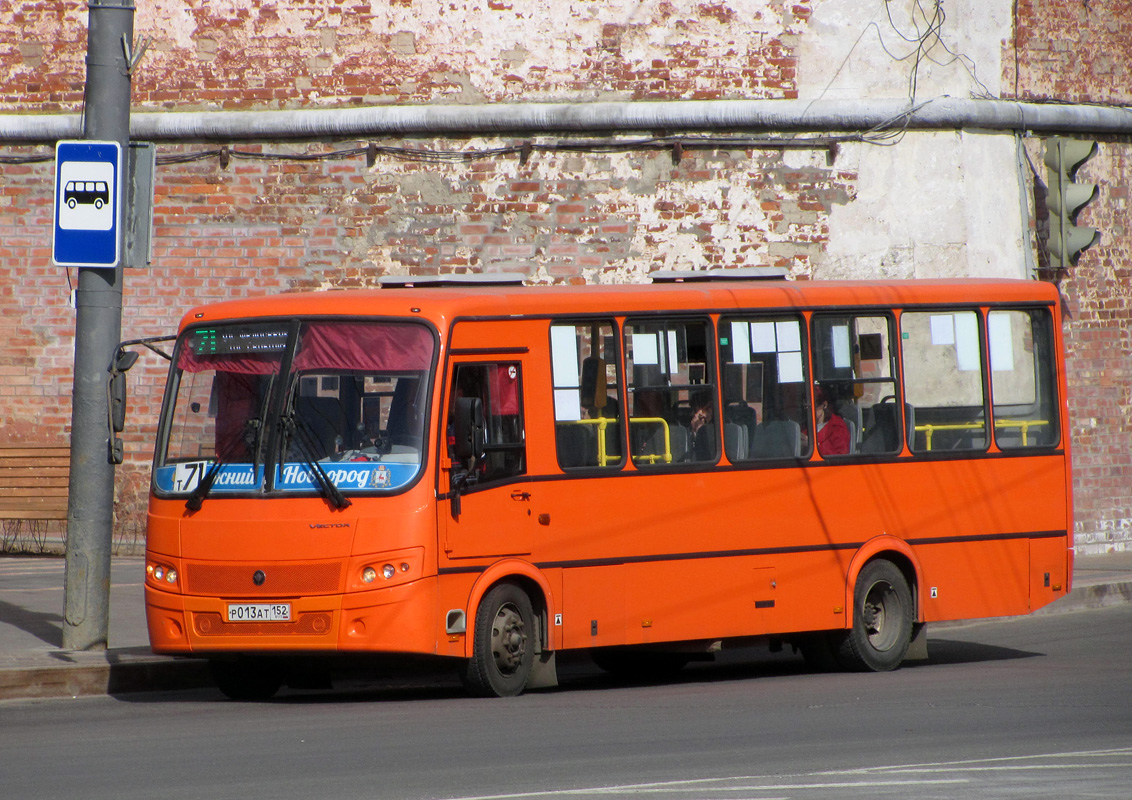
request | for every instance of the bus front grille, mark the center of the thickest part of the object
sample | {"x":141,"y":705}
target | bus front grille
{"x":266,"y":580}
{"x":208,"y":623}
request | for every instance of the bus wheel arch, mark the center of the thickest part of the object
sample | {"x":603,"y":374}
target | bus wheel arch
{"x":896,"y":551}
{"x":508,"y":647}
{"x":526,"y":577}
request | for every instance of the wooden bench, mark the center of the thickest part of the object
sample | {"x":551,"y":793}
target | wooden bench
{"x":33,"y":482}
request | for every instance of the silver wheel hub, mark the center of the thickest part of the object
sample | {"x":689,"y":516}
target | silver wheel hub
{"x":508,"y":639}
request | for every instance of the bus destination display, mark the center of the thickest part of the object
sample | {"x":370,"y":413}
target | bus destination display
{"x":238,"y":339}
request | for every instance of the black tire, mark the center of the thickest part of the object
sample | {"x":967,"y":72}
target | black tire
{"x":504,"y":649}
{"x":882,"y":620}
{"x":631,"y":663}
{"x":247,"y":678}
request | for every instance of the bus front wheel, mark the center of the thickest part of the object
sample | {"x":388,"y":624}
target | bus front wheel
{"x":882,"y":620}
{"x":503,"y":653}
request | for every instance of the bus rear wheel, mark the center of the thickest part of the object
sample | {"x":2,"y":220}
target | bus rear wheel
{"x":504,"y":649}
{"x":247,"y":678}
{"x":882,"y":620}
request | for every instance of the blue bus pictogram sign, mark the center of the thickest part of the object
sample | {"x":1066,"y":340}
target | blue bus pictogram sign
{"x":88,"y":204}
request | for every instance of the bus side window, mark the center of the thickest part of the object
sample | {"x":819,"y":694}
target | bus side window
{"x":673,"y":404}
{"x":587,"y":405}
{"x":764,"y":387}
{"x":854,"y":374}
{"x":499,"y":387}
{"x":943,"y":379}
{"x":1023,"y":384}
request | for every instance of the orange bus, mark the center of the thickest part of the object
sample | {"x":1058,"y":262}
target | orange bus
{"x":493,"y":473}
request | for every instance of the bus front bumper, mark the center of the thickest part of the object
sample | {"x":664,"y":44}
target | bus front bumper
{"x":397,"y":619}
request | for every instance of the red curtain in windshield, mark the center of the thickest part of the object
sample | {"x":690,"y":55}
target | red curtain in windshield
{"x":369,"y":347}
{"x":239,"y":363}
{"x":364,"y":346}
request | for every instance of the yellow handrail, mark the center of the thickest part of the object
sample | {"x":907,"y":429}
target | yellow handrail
{"x":602,"y":423}
{"x":928,"y":429}
{"x":652,"y":458}
{"x":1024,"y":424}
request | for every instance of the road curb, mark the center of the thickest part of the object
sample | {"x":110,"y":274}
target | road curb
{"x":1094,"y":595}
{"x":108,"y":672}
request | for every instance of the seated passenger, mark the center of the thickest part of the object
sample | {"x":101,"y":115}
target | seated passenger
{"x":833,"y":433}
{"x":702,"y":432}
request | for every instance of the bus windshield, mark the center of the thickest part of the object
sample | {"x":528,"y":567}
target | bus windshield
{"x":286,"y":407}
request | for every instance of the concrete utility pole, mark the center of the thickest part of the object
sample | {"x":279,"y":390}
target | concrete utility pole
{"x":98,"y":328}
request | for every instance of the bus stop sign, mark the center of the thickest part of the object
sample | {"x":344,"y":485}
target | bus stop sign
{"x":88,"y":204}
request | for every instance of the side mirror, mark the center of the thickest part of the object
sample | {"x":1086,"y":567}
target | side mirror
{"x":468,"y":428}
{"x":116,"y":394}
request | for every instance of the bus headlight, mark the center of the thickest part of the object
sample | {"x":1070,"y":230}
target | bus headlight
{"x":160,"y":573}
{"x":379,"y":571}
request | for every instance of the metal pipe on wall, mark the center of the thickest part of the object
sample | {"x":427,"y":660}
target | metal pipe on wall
{"x":941,"y":113}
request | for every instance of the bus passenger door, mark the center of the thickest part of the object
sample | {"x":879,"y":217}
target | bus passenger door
{"x":486,"y":508}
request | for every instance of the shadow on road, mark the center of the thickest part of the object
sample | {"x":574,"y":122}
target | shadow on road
{"x":951,"y":651}
{"x":416,"y":679}
{"x":46,"y":627}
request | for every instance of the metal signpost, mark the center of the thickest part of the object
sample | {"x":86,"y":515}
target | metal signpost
{"x":88,"y":234}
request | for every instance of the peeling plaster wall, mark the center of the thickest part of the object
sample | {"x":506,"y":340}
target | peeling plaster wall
{"x":922,"y":203}
{"x":854,"y":49}
{"x":939,"y":205}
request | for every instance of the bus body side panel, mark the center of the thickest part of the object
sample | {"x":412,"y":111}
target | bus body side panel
{"x":649,"y":556}
{"x":705,"y":555}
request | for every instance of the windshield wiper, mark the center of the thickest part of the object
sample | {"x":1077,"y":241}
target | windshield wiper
{"x":196,"y":499}
{"x":292,"y":425}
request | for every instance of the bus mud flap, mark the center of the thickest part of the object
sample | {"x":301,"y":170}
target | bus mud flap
{"x":918,"y":647}
{"x":544,"y":673}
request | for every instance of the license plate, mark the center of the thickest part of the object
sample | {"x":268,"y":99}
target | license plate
{"x":259,"y":612}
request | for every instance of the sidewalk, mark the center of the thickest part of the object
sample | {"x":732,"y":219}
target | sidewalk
{"x":33,"y":665}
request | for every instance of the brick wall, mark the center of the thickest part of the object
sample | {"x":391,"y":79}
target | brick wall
{"x":1072,"y":52}
{"x":244,"y":53}
{"x":1079,"y":52}
{"x":268,"y":225}
{"x":1099,"y":359}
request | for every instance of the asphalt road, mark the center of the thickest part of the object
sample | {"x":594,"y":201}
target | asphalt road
{"x":1034,"y":707}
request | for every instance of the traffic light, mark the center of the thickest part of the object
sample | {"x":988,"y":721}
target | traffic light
{"x":1065,"y":198}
